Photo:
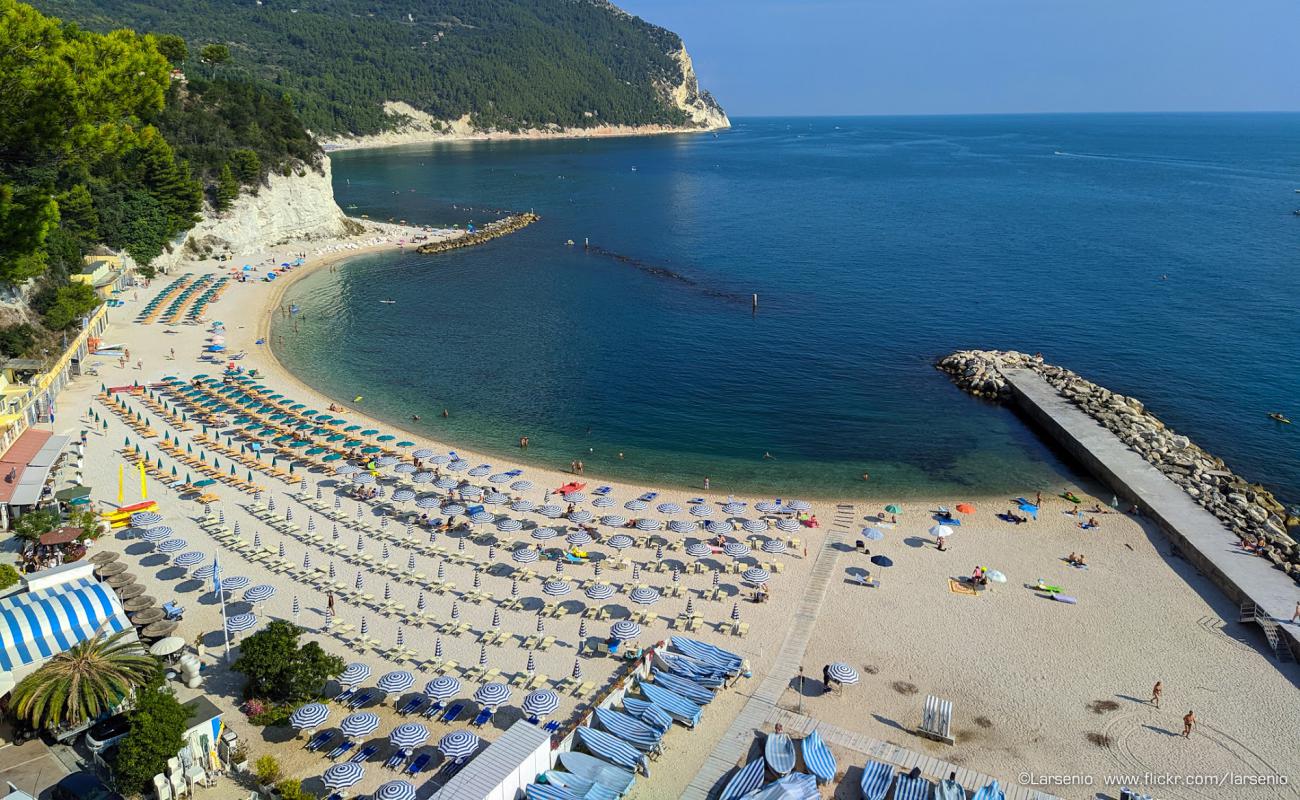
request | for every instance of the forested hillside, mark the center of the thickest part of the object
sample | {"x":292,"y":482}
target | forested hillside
{"x":509,"y":64}
{"x":101,"y":144}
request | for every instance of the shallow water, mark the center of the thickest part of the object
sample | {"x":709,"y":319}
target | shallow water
{"x":875,"y":245}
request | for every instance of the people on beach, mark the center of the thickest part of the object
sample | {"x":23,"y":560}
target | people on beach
{"x":941,"y":543}
{"x":445,"y":413}
{"x":826,"y":678}
{"x":706,"y":481}
{"x":1296,"y":616}
{"x":1155,"y":693}
{"x":1189,"y":722}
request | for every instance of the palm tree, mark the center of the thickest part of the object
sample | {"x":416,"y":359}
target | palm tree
{"x":83,"y":682}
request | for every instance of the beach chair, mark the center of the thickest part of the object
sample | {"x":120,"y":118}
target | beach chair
{"x":936,"y":720}
{"x":411,"y":706}
{"x":364,"y":754}
{"x":452,"y":714}
{"x":417,"y":766}
{"x":319,"y":740}
{"x":482,"y":718}
{"x":361,"y":699}
{"x":433,"y":710}
{"x":341,"y":750}
{"x":396,"y":760}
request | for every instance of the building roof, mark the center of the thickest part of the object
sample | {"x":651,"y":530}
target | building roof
{"x":14,"y":462}
{"x":37,"y":625}
{"x":495,"y":764}
{"x":32,"y":480}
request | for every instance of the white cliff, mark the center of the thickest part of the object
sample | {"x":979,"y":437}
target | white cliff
{"x":703,"y":110}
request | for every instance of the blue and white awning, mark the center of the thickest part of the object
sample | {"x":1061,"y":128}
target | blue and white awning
{"x":611,"y":748}
{"x":907,"y":788}
{"x":629,"y":729}
{"x":821,"y":762}
{"x":37,"y":625}
{"x":876,"y":777}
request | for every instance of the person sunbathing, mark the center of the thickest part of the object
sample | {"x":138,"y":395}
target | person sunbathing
{"x":1072,"y":559}
{"x":1082,"y":562}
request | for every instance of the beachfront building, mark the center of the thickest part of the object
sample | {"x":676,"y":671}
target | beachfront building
{"x":25,"y":472}
{"x":105,"y":271}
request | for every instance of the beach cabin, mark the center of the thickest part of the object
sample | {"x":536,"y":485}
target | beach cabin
{"x":103,"y":270}
{"x":502,"y":770}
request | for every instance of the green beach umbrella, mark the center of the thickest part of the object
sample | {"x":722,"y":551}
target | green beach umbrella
{"x":351,"y":428}
{"x":369,"y":432}
{"x":406,"y":444}
{"x":370,"y":449}
{"x":332,"y":457}
{"x":232,"y":470}
{"x":387,"y":437}
{"x":893,"y":509}
{"x":173,"y":471}
{"x":250,"y":476}
{"x":314,"y":451}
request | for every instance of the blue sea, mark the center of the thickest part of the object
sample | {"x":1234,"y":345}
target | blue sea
{"x":1155,"y":254}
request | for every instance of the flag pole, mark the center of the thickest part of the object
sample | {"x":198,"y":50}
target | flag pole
{"x":216,"y":587}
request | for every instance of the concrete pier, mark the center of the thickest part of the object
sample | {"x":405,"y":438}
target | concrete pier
{"x":1200,"y":537}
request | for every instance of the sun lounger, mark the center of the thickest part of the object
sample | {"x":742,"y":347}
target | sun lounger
{"x":396,"y":760}
{"x":341,"y":750}
{"x":417,"y":766}
{"x":364,"y":754}
{"x":452,"y":714}
{"x":482,"y":718}
{"x":991,"y":792}
{"x":908,"y":788}
{"x":361,"y":699}
{"x":319,"y":740}
{"x":433,"y":710}
{"x":411,"y":705}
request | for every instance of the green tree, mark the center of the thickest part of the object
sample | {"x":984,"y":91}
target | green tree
{"x":77,"y":213}
{"x":278,"y":669}
{"x":246,"y":165}
{"x":32,"y":525}
{"x":133,"y":220}
{"x":8,"y":576}
{"x":17,"y":340}
{"x":215,"y":53}
{"x":83,"y":682}
{"x":156,"y":733}
{"x":71,"y":302}
{"x":172,"y":48}
{"x":227,"y":189}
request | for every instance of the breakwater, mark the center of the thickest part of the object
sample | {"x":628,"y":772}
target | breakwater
{"x":487,"y":233}
{"x":1259,"y":521}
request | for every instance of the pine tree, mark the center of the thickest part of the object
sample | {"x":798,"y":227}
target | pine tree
{"x":227,"y":189}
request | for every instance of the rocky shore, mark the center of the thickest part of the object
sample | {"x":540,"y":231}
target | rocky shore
{"x":1249,"y":510}
{"x":488,"y":232}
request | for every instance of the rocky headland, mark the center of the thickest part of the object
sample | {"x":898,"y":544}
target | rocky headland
{"x":1249,"y":510}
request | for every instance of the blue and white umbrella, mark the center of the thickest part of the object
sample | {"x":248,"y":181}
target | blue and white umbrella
{"x":575,"y":497}
{"x":189,"y":559}
{"x":471,"y":492}
{"x":556,"y":587}
{"x":499,"y":477}
{"x":843,"y":673}
{"x":613,"y":520}
{"x":492,"y":694}
{"x":353,"y":674}
{"x":240,"y":623}
{"x":459,"y":744}
{"x":481,"y":517}
{"x":404,"y":469}
{"x":458,"y":465}
{"x":363,"y":478}
{"x":422,"y":478}
{"x":788,"y":525}
{"x":386,"y":461}
{"x":544,"y":534}
{"x":480,"y":470}
{"x":620,"y":541}
{"x":363,"y":723}
{"x":509,"y":525}
{"x":399,"y":680}
{"x":172,"y":545}
{"x":347,"y":469}
{"x":309,"y":716}
{"x":345,"y":775}
{"x":603,"y":502}
{"x":205,"y":572}
{"x":428,"y":502}
{"x":774,"y":546}
{"x":767,"y":507}
{"x":798,"y":505}
{"x":143,"y":519}
{"x":403,"y":496}
{"x":717,"y":526}
{"x":644,"y":595}
{"x":446,"y":482}
{"x":551,"y":511}
{"x":635,"y":505}
{"x":439,"y":459}
{"x":578,"y":538}
{"x":625,"y":630}
{"x":541,"y":702}
{"x":698,"y":550}
{"x":395,"y":790}
{"x":733,"y":508}
{"x":422,"y":453}
{"x":522,"y":505}
{"x":452,"y":509}
{"x":408,"y":736}
{"x":600,"y":591}
{"x":736,"y":549}
{"x":756,"y":576}
{"x":701,"y":510}
{"x":496,"y":498}
{"x":157,"y":534}
{"x":647,"y":524}
{"x":681,"y":526}
{"x":442,"y":688}
{"x":872,"y":534}
{"x":524,"y":555}
{"x":234,"y":583}
{"x":521,"y":486}
{"x":259,"y":593}
{"x":580,"y":516}
{"x":755,"y":525}
{"x":668,"y":508}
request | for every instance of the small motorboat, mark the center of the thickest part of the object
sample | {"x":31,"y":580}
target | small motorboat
{"x":779,"y":753}
{"x":388,"y":302}
{"x":1276,"y":417}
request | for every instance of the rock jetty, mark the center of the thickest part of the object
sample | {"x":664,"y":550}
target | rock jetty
{"x":1249,"y":510}
{"x":488,"y":232}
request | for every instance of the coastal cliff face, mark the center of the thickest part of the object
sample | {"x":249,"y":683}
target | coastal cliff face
{"x":699,"y":105}
{"x":300,"y":206}
{"x":1249,"y":510}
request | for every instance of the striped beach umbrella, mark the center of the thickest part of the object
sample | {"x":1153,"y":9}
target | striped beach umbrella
{"x":668,"y":508}
{"x":309,"y":716}
{"x":613,"y":520}
{"x":644,"y":595}
{"x":756,"y":576}
{"x":345,"y":775}
{"x":577,"y":669}
{"x":625,"y":630}
{"x":681,"y":526}
{"x":733,"y":508}
{"x":843,"y":673}
{"x":701,"y":510}
{"x":419,"y":602}
{"x":755,"y":525}
{"x":427,"y":502}
{"x":143,"y":519}
{"x":257,"y":540}
{"x":620,"y":541}
{"x":395,"y":790}
{"x":482,"y":656}
{"x":603,"y":502}
{"x":458,"y":745}
{"x":234,"y":583}
{"x":410,"y":562}
{"x":541,"y":622}
{"x":408,"y":736}
{"x":205,"y":572}
{"x":365,"y":626}
{"x":437,"y":647}
{"x":296,"y":607}
{"x":736,"y":549}
{"x":659,"y":552}
{"x":788,"y":525}
{"x":171,"y":545}
{"x":580,"y":516}
{"x":698,"y":549}
{"x":492,"y":694}
{"x":767,"y":507}
{"x":496,"y":618}
{"x":636,"y":571}
{"x":478,"y":579}
{"x":514,"y":587}
{"x":635,"y":505}
{"x":455,"y":610}
{"x":578,"y":538}
{"x":556,"y":587}
{"x":524,"y":555}
{"x":240,"y":623}
{"x":479,"y":471}
{"x":452,"y":509}
{"x":190,"y":559}
{"x":551,"y":511}
{"x":161,"y":533}
{"x":399,"y":680}
{"x":496,"y":498}
{"x":582,"y":630}
{"x":442,"y":688}
{"x":541,"y":702}
{"x":306,"y":560}
{"x":353,"y":674}
{"x":774,"y":546}
{"x":509,"y":525}
{"x":499,"y":477}
{"x":647,"y":524}
{"x":259,"y":593}
{"x":522,"y":485}
{"x":735,"y":612}
{"x":332,"y":572}
{"x":544,"y":534}
{"x":575,"y":497}
{"x":802,"y":505}
{"x":403,"y":496}
{"x":522,"y":505}
{"x":362,"y":723}
{"x":716,"y":526}
{"x":600,"y":591}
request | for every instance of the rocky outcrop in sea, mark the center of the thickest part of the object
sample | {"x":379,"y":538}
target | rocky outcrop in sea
{"x":490,"y":231}
{"x":1249,"y":510}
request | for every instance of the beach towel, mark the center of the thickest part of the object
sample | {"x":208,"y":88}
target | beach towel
{"x":957,"y":587}
{"x":1065,"y":598}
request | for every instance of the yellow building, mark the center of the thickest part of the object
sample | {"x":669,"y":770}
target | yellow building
{"x":103,"y":270}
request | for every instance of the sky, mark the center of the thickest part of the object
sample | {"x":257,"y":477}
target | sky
{"x":847,"y":57}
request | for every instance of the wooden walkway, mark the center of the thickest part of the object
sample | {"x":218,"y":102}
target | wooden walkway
{"x":735,"y":743}
{"x":936,"y":769}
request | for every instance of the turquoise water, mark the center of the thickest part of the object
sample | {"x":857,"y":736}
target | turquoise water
{"x":875,"y":245}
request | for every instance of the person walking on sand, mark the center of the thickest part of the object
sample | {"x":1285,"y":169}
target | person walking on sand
{"x":329,"y":604}
{"x":706,"y":487}
{"x":826,"y":679}
{"x":1155,"y":693}
{"x":1189,"y":722}
{"x":1296,"y":616}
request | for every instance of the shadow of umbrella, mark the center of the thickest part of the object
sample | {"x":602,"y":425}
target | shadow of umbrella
{"x":882,"y":561}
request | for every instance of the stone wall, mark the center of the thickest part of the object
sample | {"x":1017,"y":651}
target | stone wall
{"x":1249,"y":510}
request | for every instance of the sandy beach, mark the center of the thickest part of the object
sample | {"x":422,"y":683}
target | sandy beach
{"x":1039,"y":687}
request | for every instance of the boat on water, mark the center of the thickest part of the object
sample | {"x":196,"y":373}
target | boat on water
{"x":779,"y":753}
{"x":388,"y":302}
{"x":1276,"y":417}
